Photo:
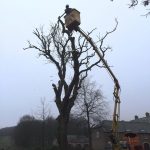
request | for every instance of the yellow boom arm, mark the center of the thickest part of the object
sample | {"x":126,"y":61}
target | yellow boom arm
{"x":116,"y":112}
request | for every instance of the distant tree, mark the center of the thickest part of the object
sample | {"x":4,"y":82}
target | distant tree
{"x":43,"y":111}
{"x":43,"y":114}
{"x":50,"y":129}
{"x":23,"y":131}
{"x":77,"y":126}
{"x":26,"y":118}
{"x":73,"y":59}
{"x":29,"y":133}
{"x":91,"y":105}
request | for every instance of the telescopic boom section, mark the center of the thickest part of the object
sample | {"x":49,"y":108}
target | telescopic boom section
{"x":116,"y":113}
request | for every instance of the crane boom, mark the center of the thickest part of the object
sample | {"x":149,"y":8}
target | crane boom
{"x":116,"y":112}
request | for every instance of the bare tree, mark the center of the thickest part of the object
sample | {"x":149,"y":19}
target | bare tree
{"x":90,"y":105}
{"x":43,"y":114}
{"x":43,"y":111}
{"x":73,"y":58}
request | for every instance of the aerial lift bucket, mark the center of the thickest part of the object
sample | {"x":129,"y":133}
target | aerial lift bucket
{"x":72,"y":19}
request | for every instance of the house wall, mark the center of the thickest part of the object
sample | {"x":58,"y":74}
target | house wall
{"x":101,"y":141}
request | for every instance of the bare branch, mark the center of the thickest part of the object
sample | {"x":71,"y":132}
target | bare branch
{"x":107,"y":34}
{"x":147,"y":14}
{"x":133,"y":3}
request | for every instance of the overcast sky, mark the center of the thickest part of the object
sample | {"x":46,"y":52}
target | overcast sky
{"x":25,"y":78}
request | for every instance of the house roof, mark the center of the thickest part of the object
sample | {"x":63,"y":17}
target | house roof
{"x":143,"y":119}
{"x":127,"y":126}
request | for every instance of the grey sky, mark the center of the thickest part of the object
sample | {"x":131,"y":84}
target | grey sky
{"x":25,"y":78}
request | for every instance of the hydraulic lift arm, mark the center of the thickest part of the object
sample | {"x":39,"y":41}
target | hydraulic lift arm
{"x":116,"y":112}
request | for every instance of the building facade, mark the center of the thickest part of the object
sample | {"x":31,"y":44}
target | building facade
{"x":133,"y":135}
{"x":76,"y":142}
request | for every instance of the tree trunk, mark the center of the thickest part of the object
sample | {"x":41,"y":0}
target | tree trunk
{"x":43,"y":135}
{"x":62,"y":133}
{"x":89,"y":131}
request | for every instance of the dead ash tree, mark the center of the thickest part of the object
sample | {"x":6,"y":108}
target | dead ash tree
{"x":69,"y":54}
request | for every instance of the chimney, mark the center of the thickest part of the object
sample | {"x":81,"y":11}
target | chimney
{"x":147,"y":114}
{"x":136,"y":117}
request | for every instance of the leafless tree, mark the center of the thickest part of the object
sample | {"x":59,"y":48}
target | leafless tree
{"x":43,"y":114}
{"x":90,"y":105}
{"x":43,"y":111}
{"x":73,"y":58}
